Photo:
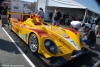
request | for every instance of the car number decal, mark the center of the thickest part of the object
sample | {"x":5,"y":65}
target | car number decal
{"x":25,"y":37}
{"x":73,"y":43}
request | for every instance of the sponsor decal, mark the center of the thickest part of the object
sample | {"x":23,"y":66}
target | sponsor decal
{"x":25,"y":37}
{"x":73,"y":43}
{"x":65,"y":35}
{"x":64,"y":43}
{"x":54,"y":36}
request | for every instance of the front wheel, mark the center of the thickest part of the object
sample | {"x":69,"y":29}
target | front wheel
{"x":33,"y":43}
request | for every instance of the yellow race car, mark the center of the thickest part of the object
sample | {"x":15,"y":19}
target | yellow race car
{"x":55,"y":45}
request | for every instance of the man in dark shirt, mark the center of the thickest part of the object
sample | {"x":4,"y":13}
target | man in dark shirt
{"x":90,"y":36}
{"x":4,"y":12}
{"x":56,"y":17}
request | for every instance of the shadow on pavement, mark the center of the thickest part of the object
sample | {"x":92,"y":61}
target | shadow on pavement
{"x":86,"y":60}
{"x":1,"y":65}
{"x":96,"y":47}
{"x":8,"y":46}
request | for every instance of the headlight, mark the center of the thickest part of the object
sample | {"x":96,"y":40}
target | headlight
{"x":51,"y":46}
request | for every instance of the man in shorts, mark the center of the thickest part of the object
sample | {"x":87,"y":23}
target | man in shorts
{"x":4,"y":13}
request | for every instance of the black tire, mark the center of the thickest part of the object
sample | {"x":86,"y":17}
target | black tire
{"x":33,"y":43}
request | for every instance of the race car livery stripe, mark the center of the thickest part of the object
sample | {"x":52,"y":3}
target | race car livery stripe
{"x":74,"y":31}
{"x":17,"y":24}
{"x":70,"y":41}
{"x":40,"y":32}
{"x":14,"y":19}
{"x":14,"y":28}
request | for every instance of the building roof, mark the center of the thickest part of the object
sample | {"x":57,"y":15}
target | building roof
{"x":65,"y":3}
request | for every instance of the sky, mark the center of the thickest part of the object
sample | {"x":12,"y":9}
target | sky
{"x":91,"y":4}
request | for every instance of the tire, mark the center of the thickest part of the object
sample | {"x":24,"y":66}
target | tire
{"x":33,"y":43}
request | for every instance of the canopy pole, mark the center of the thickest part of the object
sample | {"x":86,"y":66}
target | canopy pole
{"x":85,"y":15}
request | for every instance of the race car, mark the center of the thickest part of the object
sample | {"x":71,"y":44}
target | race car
{"x":54,"y":45}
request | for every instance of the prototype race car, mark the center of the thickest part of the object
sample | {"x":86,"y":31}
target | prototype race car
{"x":55,"y":45}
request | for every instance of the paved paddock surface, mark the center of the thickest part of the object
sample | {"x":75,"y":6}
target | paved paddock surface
{"x":87,"y":60}
{"x":10,"y":56}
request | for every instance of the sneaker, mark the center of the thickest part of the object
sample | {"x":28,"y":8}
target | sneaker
{"x":90,"y":46}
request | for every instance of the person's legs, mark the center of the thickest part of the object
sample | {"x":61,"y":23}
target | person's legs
{"x":88,"y":42}
{"x":57,"y":22}
{"x":4,"y":19}
{"x":2,"y":22}
{"x":53,"y":22}
{"x":63,"y":21}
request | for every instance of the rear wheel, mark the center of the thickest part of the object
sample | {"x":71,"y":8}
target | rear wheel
{"x":33,"y":43}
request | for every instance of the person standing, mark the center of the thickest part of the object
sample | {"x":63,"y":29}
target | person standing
{"x":4,"y":9}
{"x":41,"y":12}
{"x":56,"y":17}
{"x":64,"y":17}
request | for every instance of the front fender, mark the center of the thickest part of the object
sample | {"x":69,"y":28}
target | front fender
{"x":61,"y":50}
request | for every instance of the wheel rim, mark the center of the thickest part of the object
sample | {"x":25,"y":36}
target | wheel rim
{"x":33,"y":43}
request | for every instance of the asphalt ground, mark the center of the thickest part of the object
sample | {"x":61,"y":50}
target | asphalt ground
{"x":87,"y":60}
{"x":10,"y":56}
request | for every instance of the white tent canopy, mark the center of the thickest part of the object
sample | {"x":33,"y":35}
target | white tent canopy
{"x":68,"y":6}
{"x":65,"y":3}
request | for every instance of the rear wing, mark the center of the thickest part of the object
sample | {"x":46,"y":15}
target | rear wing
{"x":22,"y":15}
